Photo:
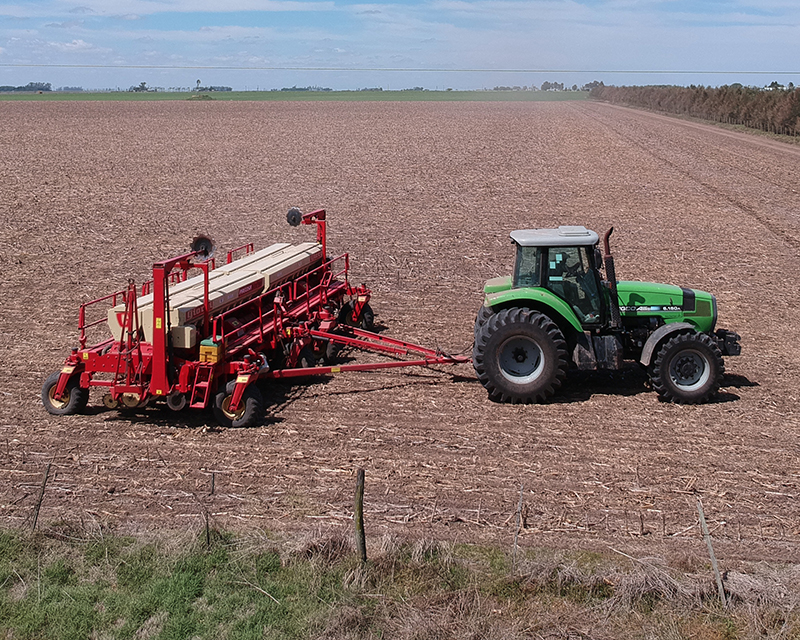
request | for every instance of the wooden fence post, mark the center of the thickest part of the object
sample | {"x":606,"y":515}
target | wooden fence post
{"x":361,"y":542}
{"x":41,"y":497}
{"x":714,"y":566}
{"x":516,"y":533}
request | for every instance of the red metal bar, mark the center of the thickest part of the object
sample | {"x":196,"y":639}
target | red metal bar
{"x":382,"y":343}
{"x":128,"y":353}
{"x":309,"y":371}
{"x":82,"y":325}
{"x":174,"y":278}
{"x":313,"y":299}
{"x":318,"y":217}
{"x":159,"y":381}
{"x":268,"y":325}
{"x":248,"y":249}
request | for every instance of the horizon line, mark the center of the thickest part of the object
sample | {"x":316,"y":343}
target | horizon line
{"x":392,"y":69}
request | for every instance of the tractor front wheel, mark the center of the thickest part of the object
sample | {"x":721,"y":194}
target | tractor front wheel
{"x":520,"y":356}
{"x":687,"y":369}
{"x":73,"y":400}
{"x":251,"y":407}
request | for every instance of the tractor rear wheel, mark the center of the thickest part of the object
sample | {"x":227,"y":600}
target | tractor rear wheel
{"x":73,"y":400}
{"x":520,"y":355}
{"x":687,"y":369}
{"x":251,"y":407}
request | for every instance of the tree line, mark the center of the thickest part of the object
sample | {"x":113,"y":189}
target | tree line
{"x":775,"y":108}
{"x":31,"y":86}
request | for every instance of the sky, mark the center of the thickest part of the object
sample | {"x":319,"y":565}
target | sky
{"x":458,"y":44}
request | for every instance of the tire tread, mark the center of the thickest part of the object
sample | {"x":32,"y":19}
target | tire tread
{"x":508,"y":317}
{"x":659,"y":370}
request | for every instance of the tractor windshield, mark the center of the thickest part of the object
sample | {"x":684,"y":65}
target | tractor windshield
{"x":571,"y":277}
{"x":527,"y":271}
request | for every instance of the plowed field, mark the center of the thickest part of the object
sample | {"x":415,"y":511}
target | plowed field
{"x":423,"y":196}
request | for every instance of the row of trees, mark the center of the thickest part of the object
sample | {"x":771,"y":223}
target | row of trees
{"x":774,"y":108}
{"x":143,"y":88}
{"x":31,"y":86}
{"x":551,"y":86}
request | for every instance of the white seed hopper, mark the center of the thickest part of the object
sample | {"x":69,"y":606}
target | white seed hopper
{"x":228,"y":285}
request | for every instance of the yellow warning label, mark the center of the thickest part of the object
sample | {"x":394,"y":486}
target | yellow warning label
{"x":242,"y":379}
{"x":86,"y":355}
{"x":336,"y":369}
{"x":159,"y":392}
{"x":158,"y":323}
{"x":68,"y":369}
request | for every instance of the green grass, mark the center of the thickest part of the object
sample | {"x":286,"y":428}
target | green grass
{"x":335,"y":96}
{"x":257,"y":586}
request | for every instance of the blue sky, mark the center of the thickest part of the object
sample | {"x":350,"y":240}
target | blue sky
{"x":463,"y":44}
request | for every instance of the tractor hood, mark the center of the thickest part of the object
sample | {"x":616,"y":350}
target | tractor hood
{"x":671,"y":303}
{"x":646,"y":296}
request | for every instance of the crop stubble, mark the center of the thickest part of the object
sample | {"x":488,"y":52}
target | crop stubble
{"x":423,"y":196}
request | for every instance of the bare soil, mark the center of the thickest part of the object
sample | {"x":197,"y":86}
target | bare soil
{"x":423,"y":196}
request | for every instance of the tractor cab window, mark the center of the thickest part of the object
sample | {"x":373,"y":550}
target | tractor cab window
{"x":571,"y":277}
{"x":527,"y":271}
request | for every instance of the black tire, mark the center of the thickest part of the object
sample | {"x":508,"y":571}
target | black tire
{"x":366,"y":319}
{"x":306,"y":358}
{"x":73,"y":400}
{"x":332,"y":350}
{"x":326,"y":351}
{"x":687,"y":369}
{"x":484,"y":313}
{"x":251,"y":408}
{"x":520,"y":356}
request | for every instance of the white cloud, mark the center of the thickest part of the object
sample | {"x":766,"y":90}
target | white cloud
{"x":151,"y":7}
{"x":75,"y":46}
{"x":65,"y":25}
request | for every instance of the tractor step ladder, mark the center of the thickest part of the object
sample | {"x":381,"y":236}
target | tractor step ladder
{"x":201,"y":389}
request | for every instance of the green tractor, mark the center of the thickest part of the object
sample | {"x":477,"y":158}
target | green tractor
{"x":556,"y":312}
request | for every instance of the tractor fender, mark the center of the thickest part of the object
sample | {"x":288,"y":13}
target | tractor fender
{"x":540,"y":300}
{"x":658,"y":336}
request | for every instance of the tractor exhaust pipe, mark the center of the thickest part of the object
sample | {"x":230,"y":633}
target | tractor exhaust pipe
{"x":611,"y":276}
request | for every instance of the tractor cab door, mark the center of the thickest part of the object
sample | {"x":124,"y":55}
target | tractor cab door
{"x":570,"y":274}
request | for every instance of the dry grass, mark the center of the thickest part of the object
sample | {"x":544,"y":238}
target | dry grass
{"x":419,"y":589}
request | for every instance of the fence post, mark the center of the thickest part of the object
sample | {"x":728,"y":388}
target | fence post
{"x":41,"y":497}
{"x":361,"y":542}
{"x":707,"y":536}
{"x":519,"y":526}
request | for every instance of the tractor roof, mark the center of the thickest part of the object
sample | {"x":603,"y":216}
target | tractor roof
{"x":564,"y":236}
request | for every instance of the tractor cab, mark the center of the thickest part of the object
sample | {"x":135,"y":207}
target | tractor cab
{"x":565,"y":261}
